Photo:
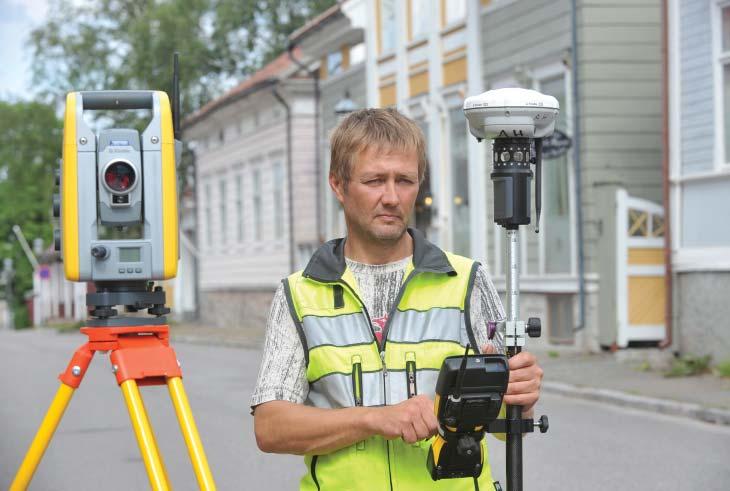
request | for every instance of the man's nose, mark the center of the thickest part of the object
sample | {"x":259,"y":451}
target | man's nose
{"x":390,"y":195}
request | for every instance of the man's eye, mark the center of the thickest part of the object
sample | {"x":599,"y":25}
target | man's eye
{"x":373,"y":181}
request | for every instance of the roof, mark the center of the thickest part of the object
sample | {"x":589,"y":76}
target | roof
{"x":317,"y":22}
{"x":265,"y":77}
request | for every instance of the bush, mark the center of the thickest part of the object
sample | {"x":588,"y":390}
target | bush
{"x":689,"y":365}
{"x":21,"y":319}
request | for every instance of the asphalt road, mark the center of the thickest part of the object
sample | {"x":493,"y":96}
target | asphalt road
{"x":589,"y":446}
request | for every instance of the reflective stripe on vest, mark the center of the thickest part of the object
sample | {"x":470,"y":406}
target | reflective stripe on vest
{"x":345,"y":368}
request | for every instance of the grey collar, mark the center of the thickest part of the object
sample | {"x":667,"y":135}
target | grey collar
{"x":328,"y":261}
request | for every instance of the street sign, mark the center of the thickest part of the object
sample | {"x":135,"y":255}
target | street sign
{"x":556,"y":145}
{"x":45,"y":272}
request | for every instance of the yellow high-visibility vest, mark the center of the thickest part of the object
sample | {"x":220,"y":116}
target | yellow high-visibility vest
{"x":346,"y":367}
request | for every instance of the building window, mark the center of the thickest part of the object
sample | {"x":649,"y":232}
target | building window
{"x":460,"y":222}
{"x":278,"y":175}
{"x":556,"y":192}
{"x":424,"y":202}
{"x":334,"y":63}
{"x":222,"y":205}
{"x":724,"y":60}
{"x":419,"y":18}
{"x":454,"y":11}
{"x":257,"y":219}
{"x":208,"y":215}
{"x":357,"y":54}
{"x":388,"y":26}
{"x":239,"y":205}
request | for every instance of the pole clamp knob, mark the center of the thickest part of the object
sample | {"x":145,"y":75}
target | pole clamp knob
{"x":534,"y":327}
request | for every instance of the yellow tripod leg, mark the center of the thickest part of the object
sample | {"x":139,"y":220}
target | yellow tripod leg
{"x":145,"y":438}
{"x":190,"y":433}
{"x":42,"y":438}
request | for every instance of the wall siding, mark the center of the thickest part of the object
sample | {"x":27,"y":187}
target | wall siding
{"x":233,"y":265}
{"x":544,"y":33}
{"x":697,"y":83}
{"x":619,"y":77}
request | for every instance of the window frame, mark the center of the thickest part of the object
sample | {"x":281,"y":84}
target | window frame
{"x":222,"y":208}
{"x":340,"y":68}
{"x":539,"y":76}
{"x":257,"y":204}
{"x":381,"y":28}
{"x":720,"y":59}
{"x":208,"y":214}
{"x":277,"y":194}
{"x":412,"y":35}
{"x":240,"y":210}
{"x":445,"y":22}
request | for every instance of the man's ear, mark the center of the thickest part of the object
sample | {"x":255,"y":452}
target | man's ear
{"x":338,"y":187}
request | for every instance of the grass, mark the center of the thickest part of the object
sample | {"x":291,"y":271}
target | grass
{"x":66,"y":327}
{"x":723,"y":368}
{"x":553,"y":354}
{"x":689,"y":365}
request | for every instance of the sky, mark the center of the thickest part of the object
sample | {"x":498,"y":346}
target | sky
{"x":17,"y":19}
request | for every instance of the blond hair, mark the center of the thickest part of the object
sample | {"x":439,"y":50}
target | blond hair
{"x":385,"y":130}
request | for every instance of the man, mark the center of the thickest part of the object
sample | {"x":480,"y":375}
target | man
{"x":355,"y":341}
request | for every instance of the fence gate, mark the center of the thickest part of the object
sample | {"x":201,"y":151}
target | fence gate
{"x":640,"y":270}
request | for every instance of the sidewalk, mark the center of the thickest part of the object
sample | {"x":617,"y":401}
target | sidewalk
{"x":599,"y":377}
{"x":602,"y":377}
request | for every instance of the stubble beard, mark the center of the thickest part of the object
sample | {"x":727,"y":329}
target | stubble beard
{"x":387,"y":235}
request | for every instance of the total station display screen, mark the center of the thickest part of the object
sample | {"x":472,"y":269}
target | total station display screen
{"x":130,"y":254}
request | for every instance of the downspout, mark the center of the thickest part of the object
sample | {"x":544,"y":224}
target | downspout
{"x":576,"y":165}
{"x":289,"y":176}
{"x":667,"y":342}
{"x":317,"y":144}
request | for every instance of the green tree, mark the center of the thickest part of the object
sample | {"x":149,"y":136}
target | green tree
{"x":30,"y":145}
{"x":128,"y":44}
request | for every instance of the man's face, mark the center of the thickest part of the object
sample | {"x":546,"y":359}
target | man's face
{"x":380,"y":196}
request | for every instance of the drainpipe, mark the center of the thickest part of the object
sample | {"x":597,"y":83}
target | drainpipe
{"x":668,"y":320}
{"x":576,"y":165}
{"x":317,"y":144}
{"x":290,"y":177}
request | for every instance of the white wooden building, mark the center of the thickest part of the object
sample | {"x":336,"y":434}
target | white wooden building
{"x":252,"y":232}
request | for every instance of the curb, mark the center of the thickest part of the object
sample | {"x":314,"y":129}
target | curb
{"x":225,"y":343}
{"x":664,"y":406}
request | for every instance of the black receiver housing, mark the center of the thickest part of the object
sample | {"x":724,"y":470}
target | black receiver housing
{"x":512,"y":178}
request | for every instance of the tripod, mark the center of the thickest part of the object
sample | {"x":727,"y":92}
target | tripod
{"x":140,"y":354}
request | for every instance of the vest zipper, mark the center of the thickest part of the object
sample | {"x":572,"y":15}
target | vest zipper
{"x":411,"y":374}
{"x":313,"y":470}
{"x":382,"y":350}
{"x":357,"y":380}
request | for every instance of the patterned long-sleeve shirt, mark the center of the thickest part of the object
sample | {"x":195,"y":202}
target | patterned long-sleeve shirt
{"x":282,"y":375}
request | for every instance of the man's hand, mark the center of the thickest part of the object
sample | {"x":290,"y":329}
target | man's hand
{"x":412,"y":420}
{"x":525,"y":378}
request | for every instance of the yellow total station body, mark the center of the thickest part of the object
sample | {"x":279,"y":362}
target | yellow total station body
{"x":119,"y":179}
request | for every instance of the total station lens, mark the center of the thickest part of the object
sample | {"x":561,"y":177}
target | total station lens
{"x":120,"y":176}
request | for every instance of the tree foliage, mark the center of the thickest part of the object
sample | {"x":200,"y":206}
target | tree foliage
{"x":128,"y":44}
{"x":30,"y":145}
